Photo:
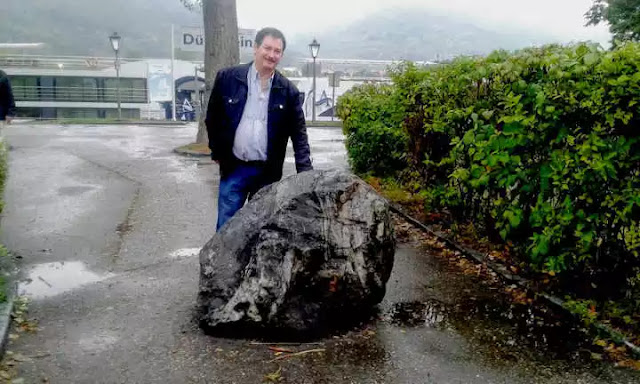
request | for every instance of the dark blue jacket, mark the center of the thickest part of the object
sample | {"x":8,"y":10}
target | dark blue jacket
{"x":285,"y":120}
{"x":7,"y":104}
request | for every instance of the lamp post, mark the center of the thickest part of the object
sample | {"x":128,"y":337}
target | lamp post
{"x":197,"y":92}
{"x":314,"y":47}
{"x":334,"y":84}
{"x":115,"y":44}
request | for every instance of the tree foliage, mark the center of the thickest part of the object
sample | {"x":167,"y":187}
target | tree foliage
{"x":192,"y":5}
{"x":623,"y":17}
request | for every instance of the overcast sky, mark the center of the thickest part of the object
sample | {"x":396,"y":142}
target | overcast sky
{"x":562,"y":18}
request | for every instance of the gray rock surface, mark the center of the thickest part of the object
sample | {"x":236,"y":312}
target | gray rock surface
{"x":305,"y":255}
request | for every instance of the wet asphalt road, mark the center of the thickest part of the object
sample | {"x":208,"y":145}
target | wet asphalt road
{"x":108,"y":221}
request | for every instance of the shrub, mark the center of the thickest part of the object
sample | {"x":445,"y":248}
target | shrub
{"x":372,"y":123}
{"x":539,"y":148}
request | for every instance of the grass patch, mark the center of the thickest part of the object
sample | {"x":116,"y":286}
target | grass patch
{"x":394,"y":191}
{"x":199,"y":148}
{"x":6,"y":266}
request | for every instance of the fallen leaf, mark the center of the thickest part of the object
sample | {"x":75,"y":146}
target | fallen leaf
{"x":601,"y":343}
{"x":368,"y":333}
{"x":274,"y":377}
{"x":633,"y":364}
{"x":333,"y":284}
{"x":21,"y":358}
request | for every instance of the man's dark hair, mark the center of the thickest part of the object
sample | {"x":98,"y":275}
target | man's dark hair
{"x":273,"y":32}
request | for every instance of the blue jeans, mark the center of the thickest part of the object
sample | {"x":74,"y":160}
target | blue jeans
{"x":242,"y":182}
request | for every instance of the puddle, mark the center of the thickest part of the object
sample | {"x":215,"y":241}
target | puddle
{"x":185,"y":252}
{"x":417,"y":314}
{"x":51,"y":279}
{"x":519,"y":328}
{"x":502,"y":331}
{"x":426,"y":293}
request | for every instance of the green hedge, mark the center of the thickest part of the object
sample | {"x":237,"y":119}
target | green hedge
{"x":539,"y":148}
{"x":374,"y":141}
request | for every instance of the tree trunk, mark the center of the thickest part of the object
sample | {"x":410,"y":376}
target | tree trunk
{"x":220,"y":50}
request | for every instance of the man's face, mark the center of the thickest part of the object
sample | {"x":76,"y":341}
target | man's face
{"x":268,"y":54}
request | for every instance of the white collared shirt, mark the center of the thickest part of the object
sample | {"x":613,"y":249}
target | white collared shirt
{"x":250,"y":143}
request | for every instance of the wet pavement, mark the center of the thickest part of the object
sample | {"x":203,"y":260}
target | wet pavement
{"x":108,"y":222}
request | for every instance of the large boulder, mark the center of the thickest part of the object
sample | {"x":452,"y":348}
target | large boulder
{"x":305,"y":255}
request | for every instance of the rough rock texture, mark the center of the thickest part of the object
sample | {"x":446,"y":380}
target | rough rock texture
{"x":311,"y":252}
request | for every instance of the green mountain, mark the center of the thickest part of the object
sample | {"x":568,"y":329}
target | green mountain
{"x":416,"y":35}
{"x":82,"y":27}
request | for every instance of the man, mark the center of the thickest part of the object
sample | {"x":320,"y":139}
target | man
{"x":253,"y":111}
{"x":7,"y":104}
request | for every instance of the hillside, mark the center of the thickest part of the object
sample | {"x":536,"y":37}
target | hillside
{"x":71,"y":27}
{"x":417,"y":35}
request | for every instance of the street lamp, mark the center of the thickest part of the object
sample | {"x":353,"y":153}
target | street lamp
{"x":115,"y":44}
{"x":314,"y":47}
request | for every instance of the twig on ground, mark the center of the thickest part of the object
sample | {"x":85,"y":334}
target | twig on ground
{"x":292,"y":343}
{"x":45,"y":281}
{"x":281,"y":350}
{"x":301,"y":353}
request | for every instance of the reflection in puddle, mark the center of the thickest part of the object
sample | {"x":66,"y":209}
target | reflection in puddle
{"x":417,"y":314}
{"x":52,"y":279}
{"x":185,"y":252}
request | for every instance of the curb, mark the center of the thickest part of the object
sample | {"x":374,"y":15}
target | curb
{"x":186,"y":152}
{"x":5,"y":319}
{"x":517,"y":280}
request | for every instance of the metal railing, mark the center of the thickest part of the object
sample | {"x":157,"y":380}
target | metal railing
{"x":61,"y":62}
{"x":79,"y":94}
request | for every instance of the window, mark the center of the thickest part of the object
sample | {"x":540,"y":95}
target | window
{"x":17,"y":85}
{"x":69,"y":88}
{"x":139,"y":91}
{"x":110,"y":88}
{"x":24,"y":88}
{"x":131,"y":90}
{"x":89,"y":89}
